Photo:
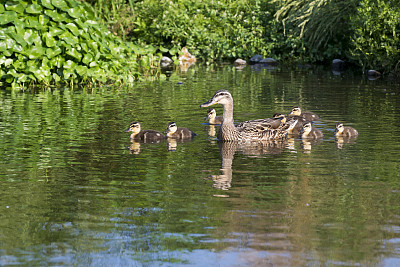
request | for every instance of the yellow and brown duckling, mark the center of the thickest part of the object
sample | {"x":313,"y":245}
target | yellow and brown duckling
{"x":143,"y":135}
{"x":178,"y":133}
{"x":268,"y":123}
{"x":309,"y":132}
{"x":297,"y":121}
{"x":310,"y":116}
{"x":254,"y":131}
{"x":345,"y":131}
{"x":186,"y":57}
{"x":212,"y":117}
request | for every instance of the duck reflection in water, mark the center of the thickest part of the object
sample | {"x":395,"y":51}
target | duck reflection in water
{"x":229,"y":148}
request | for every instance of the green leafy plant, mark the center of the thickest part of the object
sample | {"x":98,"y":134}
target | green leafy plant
{"x":59,"y":41}
{"x":375,"y":42}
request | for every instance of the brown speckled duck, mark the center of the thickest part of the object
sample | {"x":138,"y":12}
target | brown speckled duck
{"x":309,"y":132}
{"x":254,"y":131}
{"x":345,"y":131}
{"x":179,"y":133}
{"x":310,"y":116}
{"x":296,"y":128}
{"x":213,"y":118}
{"x":143,"y":135}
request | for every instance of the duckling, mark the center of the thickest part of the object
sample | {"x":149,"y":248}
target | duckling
{"x":145,"y":135}
{"x":212,"y":117}
{"x":310,"y":116}
{"x":255,"y":131}
{"x":179,"y":133}
{"x":296,"y":128}
{"x":309,"y":132}
{"x":268,"y":123}
{"x":342,"y":131}
{"x":186,"y":57}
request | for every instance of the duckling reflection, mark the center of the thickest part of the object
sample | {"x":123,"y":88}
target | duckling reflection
{"x":340,"y":141}
{"x":134,"y":148}
{"x":228,"y":150}
{"x":307,"y":144}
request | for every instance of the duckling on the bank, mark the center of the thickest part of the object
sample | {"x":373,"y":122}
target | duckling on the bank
{"x":213,"y":118}
{"x":345,"y":131}
{"x":143,"y":135}
{"x":186,"y":57}
{"x":255,"y":131}
{"x":179,"y":133}
{"x":310,"y":116}
{"x":309,"y":132}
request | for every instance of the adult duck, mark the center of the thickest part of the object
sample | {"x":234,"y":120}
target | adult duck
{"x":244,"y":132}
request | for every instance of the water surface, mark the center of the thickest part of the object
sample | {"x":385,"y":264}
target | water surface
{"x":75,"y":191}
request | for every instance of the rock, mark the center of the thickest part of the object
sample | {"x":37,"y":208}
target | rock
{"x":374,"y":73}
{"x":239,"y":62}
{"x":255,"y":59}
{"x":338,"y":65}
{"x":269,"y":61}
{"x":165,"y":62}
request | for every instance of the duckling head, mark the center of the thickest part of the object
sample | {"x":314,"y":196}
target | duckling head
{"x":296,"y":111}
{"x":222,"y":97}
{"x":211,"y":114}
{"x":171,"y":128}
{"x":307,"y":128}
{"x":134,"y":127}
{"x":280,"y":116}
{"x":339,"y":128}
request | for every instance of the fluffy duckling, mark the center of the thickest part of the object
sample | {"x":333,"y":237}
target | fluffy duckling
{"x":186,"y":57}
{"x":310,"y":116}
{"x":145,"y":135}
{"x":295,"y":127}
{"x":213,"y":118}
{"x":309,"y":132}
{"x":179,"y":133}
{"x":342,"y":131}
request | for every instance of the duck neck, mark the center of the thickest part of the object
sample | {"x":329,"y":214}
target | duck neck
{"x":228,"y":130}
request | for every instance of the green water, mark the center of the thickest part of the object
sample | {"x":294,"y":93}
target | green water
{"x":75,"y":191}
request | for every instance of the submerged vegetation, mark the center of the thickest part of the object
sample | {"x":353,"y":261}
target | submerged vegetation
{"x":53,"y":42}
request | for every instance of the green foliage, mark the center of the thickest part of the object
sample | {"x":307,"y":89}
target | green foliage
{"x":211,"y":30}
{"x":58,"y":41}
{"x":322,"y":25}
{"x":375,"y":42}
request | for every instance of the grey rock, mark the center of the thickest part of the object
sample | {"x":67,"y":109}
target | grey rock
{"x":255,"y":59}
{"x":239,"y":62}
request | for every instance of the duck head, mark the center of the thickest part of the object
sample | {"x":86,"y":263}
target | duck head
{"x":220,"y":97}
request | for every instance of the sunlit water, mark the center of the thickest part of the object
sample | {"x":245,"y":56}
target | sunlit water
{"x":75,"y":191}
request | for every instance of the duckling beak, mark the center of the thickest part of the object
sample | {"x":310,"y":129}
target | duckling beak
{"x":208,"y":103}
{"x":127,"y":130}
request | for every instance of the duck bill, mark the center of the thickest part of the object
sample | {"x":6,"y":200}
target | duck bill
{"x":208,"y":103}
{"x":127,"y":130}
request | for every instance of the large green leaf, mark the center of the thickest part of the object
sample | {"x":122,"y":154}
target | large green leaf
{"x":53,"y":14}
{"x":7,"y":17}
{"x":34,"y":9}
{"x":50,"y":41}
{"x":54,"y":31}
{"x":19,"y":38}
{"x":19,"y":8}
{"x":81,"y":70}
{"x":76,"y":12}
{"x":43,"y":20}
{"x":74,"y":53}
{"x":87,"y":58}
{"x":35,"y":52}
{"x":1,"y":9}
{"x":52,"y":52}
{"x":47,"y":4}
{"x":61,"y":4}
{"x":72,"y":27}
